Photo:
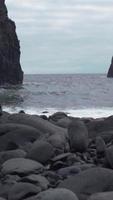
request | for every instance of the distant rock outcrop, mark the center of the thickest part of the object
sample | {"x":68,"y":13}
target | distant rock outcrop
{"x":10,"y":69}
{"x":110,"y":71}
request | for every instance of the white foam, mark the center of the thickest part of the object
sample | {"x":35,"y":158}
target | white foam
{"x":85,"y":112}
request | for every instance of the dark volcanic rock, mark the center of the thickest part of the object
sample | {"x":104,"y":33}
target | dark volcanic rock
{"x":110,"y":71}
{"x":78,"y":136}
{"x":90,"y":181}
{"x":10,"y":69}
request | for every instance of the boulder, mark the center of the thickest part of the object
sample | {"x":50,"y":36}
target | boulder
{"x":102,"y":196}
{"x":22,"y":190}
{"x":100,"y":145}
{"x":6,"y":155}
{"x":78,"y":136}
{"x":14,"y":135}
{"x":97,"y":126}
{"x":35,"y":121}
{"x":55,"y":194}
{"x":57,"y":116}
{"x":37,"y":180}
{"x":21,"y":166}
{"x":110,"y":71}
{"x":41,"y":151}
{"x":2,"y":198}
{"x":90,"y":181}
{"x":10,"y":69}
{"x":109,"y":156}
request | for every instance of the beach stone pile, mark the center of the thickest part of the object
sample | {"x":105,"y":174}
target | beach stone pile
{"x":56,"y":157}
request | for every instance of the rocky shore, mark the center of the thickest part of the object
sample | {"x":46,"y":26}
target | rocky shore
{"x":56,"y":157}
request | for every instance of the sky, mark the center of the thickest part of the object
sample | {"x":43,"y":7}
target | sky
{"x":64,"y":36}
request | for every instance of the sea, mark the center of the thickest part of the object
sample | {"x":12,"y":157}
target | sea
{"x":79,"y":95}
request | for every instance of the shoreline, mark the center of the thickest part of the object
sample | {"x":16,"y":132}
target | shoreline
{"x":55,"y":157}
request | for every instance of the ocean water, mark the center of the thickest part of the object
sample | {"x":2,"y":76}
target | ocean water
{"x":81,"y":95}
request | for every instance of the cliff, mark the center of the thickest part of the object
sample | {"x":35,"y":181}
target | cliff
{"x":110,"y":71}
{"x":10,"y":68}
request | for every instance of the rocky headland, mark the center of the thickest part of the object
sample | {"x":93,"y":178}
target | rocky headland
{"x":10,"y":69}
{"x":56,"y":157}
{"x":110,"y":71}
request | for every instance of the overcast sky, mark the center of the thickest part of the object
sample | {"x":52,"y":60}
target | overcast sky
{"x":64,"y":36}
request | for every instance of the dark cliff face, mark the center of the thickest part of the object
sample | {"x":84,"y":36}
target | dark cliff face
{"x":110,"y":71}
{"x":10,"y":69}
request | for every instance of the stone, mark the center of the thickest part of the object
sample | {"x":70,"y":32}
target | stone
{"x":12,"y":136}
{"x":102,"y":196}
{"x":41,"y":151}
{"x":57,"y":116}
{"x":55,"y":194}
{"x":110,"y":71}
{"x":6,"y":155}
{"x":22,"y":190}
{"x":109,"y":156}
{"x":67,"y":171}
{"x":37,"y":180}
{"x":21,"y":166}
{"x":35,"y":121}
{"x":78,"y":136}
{"x":10,"y":69}
{"x":90,"y":181}
{"x":2,"y":198}
{"x":100,"y":145}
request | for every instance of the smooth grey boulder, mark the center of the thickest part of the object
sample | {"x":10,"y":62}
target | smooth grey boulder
{"x":37,"y":180}
{"x":109,"y":156}
{"x":90,"y":181}
{"x":57,"y":116}
{"x":97,"y":126}
{"x":14,"y":135}
{"x":6,"y":155}
{"x":2,"y":198}
{"x":22,"y":190}
{"x":78,"y":136}
{"x":41,"y":151}
{"x":21,"y":166}
{"x":35,"y":121}
{"x":55,"y":194}
{"x":100,"y":145}
{"x":102,"y":196}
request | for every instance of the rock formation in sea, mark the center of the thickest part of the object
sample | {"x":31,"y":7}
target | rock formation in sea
{"x":110,"y":71}
{"x":10,"y":68}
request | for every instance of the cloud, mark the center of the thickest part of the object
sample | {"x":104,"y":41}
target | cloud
{"x":63,"y":30}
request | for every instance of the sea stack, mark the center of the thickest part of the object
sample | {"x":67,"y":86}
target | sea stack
{"x":10,"y":68}
{"x":110,"y":71}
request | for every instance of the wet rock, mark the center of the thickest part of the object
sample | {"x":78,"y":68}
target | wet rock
{"x":14,"y":135}
{"x":35,"y":121}
{"x":109,"y":156}
{"x":110,"y":71}
{"x":22,"y":190}
{"x":37,"y":180}
{"x":100,"y":145}
{"x":55,"y":194}
{"x":10,"y":69}
{"x":69,"y":171}
{"x":102,"y":196}
{"x":62,"y":157}
{"x":6,"y":155}
{"x":78,"y":136}
{"x":64,"y":122}
{"x":89,"y":182}
{"x":41,"y":151}
{"x":21,"y":166}
{"x":57,"y":116}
